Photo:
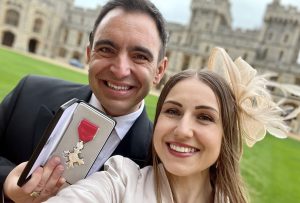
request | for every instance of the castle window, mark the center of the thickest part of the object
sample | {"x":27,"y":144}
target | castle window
{"x":79,"y":38}
{"x":76,"y":55}
{"x":280,"y":56}
{"x":66,"y":35}
{"x":207,"y":49}
{"x":203,"y":63}
{"x":168,"y":54}
{"x":62,"y":52}
{"x":178,"y":38}
{"x":270,"y":36}
{"x":273,"y":78}
{"x":207,"y":25}
{"x":12,"y":17}
{"x":264,"y":54}
{"x":297,"y":81}
{"x":38,"y":24}
{"x":186,"y":61}
{"x":286,"y":38}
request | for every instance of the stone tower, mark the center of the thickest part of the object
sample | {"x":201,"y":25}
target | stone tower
{"x":210,"y":15}
{"x":280,"y":35}
{"x":207,"y":17}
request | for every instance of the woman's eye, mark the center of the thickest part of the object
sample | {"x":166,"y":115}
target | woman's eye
{"x":172,"y":112}
{"x":207,"y":118}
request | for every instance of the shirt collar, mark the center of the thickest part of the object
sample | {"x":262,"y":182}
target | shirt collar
{"x":124,"y":122}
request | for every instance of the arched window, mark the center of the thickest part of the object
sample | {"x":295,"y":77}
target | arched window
{"x":79,"y":38}
{"x":38,"y":24}
{"x":32,"y":45}
{"x":203,"y":63}
{"x":8,"y":38}
{"x":297,"y":81}
{"x":207,"y":48}
{"x":186,"y":62}
{"x":286,"y":38}
{"x":264,"y":54}
{"x":76,"y":55}
{"x":168,"y":54}
{"x":62,"y":52}
{"x":280,"y":56}
{"x":12,"y":17}
{"x":270,"y":36}
{"x":66,"y":34}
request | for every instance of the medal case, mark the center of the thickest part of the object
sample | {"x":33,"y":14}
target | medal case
{"x":76,"y":134}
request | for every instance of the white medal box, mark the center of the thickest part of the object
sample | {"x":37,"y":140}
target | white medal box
{"x":77,"y":135}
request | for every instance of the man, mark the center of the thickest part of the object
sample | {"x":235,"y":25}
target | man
{"x":126,"y":57}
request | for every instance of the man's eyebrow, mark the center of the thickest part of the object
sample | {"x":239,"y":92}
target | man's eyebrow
{"x":104,"y":42}
{"x":144,"y":50}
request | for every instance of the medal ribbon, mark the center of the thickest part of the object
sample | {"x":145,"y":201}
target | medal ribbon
{"x":87,"y":130}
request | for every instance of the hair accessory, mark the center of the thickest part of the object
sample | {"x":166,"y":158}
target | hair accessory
{"x":258,"y":113}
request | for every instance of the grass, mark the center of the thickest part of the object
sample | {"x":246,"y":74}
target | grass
{"x":271,"y":168}
{"x":13,"y":66}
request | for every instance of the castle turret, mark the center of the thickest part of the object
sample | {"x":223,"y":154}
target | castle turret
{"x":280,"y":35}
{"x":210,"y":15}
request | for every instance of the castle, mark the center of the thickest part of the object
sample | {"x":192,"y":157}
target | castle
{"x":60,"y":31}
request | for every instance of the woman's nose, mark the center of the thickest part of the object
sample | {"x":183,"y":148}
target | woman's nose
{"x":184,"y":127}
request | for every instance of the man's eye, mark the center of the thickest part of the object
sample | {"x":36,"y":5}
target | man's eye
{"x":104,"y":50}
{"x":140,"y":57}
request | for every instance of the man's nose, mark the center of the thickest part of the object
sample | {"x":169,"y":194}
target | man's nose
{"x":121,"y":67}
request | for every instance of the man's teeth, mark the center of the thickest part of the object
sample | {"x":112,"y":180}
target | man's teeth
{"x":182,"y":149}
{"x":116,"y":87}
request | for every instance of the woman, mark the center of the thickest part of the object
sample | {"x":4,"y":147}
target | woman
{"x":200,"y":123}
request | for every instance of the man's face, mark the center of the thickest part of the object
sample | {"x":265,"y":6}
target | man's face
{"x":123,"y":61}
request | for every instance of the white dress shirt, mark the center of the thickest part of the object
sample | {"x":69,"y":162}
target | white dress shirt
{"x":123,"y":125}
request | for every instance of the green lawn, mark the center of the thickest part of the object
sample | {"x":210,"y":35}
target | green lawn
{"x":14,"y":66}
{"x":271,"y":168}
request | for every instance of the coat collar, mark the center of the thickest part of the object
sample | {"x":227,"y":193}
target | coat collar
{"x":47,"y":111}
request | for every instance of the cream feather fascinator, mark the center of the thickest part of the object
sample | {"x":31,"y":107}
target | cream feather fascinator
{"x":258,"y":113}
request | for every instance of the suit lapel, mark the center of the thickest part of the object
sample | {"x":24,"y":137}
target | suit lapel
{"x":47,"y":111}
{"x":135,"y":145}
{"x":43,"y":118}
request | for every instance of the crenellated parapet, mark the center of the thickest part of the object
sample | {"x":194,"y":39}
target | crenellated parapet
{"x":283,"y":14}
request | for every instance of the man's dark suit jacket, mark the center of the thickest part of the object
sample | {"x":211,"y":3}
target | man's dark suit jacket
{"x":27,"y":110}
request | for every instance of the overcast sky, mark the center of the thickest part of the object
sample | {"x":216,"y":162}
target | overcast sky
{"x":247,"y":14}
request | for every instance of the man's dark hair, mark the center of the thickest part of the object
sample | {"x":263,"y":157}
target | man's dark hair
{"x":142,"y":6}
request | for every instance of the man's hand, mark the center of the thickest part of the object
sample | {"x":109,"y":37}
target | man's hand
{"x":43,"y":184}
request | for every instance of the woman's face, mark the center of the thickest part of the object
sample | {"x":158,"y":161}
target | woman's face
{"x":188,"y":133}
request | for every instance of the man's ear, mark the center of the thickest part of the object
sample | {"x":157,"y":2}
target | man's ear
{"x":88,"y":53}
{"x":160,"y":71}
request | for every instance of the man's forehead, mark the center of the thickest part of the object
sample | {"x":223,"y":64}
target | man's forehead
{"x":117,"y":12}
{"x":118,"y":22}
